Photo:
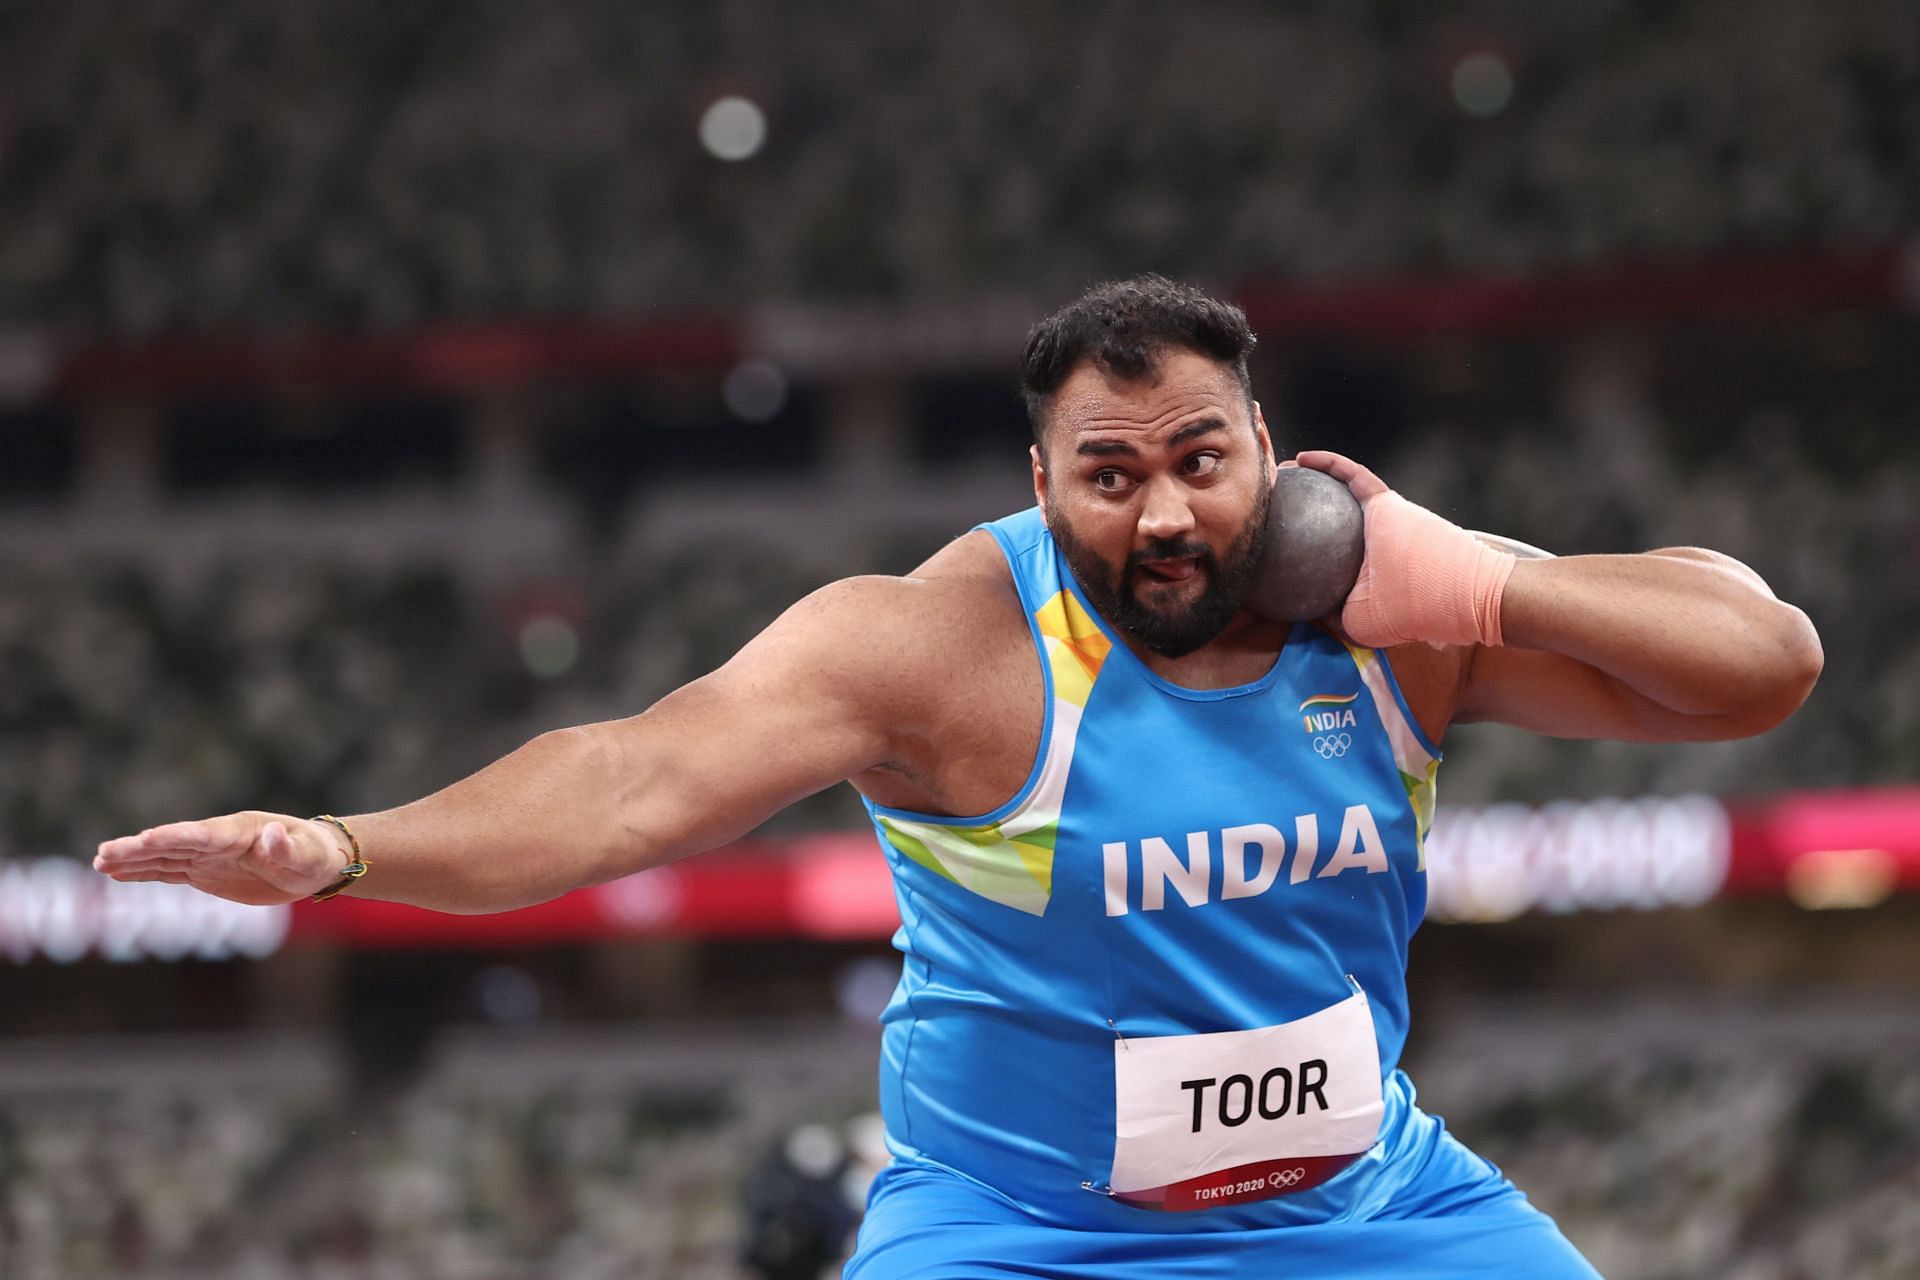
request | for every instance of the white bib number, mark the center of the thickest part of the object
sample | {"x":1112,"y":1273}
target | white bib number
{"x":1231,"y":1116}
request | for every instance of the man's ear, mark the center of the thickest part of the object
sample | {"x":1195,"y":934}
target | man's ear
{"x":1261,"y":433}
{"x":1039,"y":479}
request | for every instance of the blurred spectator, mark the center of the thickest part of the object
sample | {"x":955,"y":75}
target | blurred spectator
{"x":212,"y":166}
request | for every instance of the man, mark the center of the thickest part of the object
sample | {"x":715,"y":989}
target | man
{"x":1157,"y":858}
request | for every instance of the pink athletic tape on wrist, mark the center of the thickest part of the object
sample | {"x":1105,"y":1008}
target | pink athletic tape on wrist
{"x":1424,"y":578}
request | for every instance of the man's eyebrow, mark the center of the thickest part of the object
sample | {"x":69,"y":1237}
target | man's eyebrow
{"x":1192,"y":431}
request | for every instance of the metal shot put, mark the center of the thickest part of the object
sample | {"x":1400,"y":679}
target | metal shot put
{"x":1151,"y":763}
{"x":1315,"y":541}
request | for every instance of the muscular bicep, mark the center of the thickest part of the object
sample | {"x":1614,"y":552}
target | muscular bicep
{"x":816,"y":698}
{"x":1562,"y":697}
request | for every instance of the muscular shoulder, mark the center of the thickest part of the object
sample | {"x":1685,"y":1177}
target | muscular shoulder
{"x":939,"y":666}
{"x":898,"y":646}
{"x":971,"y":556}
{"x":951,"y":601}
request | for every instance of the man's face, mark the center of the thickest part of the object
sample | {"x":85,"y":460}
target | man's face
{"x":1157,"y":493}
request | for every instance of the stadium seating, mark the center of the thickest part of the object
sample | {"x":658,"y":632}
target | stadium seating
{"x":356,"y":167}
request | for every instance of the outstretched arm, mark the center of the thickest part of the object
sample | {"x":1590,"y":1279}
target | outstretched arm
{"x":1680,"y":644}
{"x":816,"y":698}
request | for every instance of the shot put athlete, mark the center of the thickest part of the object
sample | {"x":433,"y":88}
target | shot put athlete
{"x":1157,"y":856}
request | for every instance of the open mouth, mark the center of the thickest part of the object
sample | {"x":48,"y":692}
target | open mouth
{"x":1177,"y":569}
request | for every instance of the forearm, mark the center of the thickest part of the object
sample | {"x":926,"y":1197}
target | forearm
{"x":1693,"y":631}
{"x":534,"y":824}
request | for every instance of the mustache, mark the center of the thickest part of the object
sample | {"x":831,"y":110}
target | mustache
{"x":1172,"y":549}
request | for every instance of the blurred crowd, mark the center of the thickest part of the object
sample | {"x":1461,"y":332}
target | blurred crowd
{"x":95,"y":1184}
{"x":655,"y":1157}
{"x":1842,"y":543}
{"x":1721,"y":1157}
{"x":132,"y":697}
{"x":126,"y":694}
{"x":204,"y":165}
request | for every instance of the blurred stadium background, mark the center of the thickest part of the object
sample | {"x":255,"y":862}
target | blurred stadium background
{"x":381,"y":385}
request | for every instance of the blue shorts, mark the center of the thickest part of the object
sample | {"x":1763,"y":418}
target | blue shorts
{"x":1459,"y":1218}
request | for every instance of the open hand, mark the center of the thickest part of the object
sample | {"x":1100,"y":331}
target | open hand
{"x":262,"y":859}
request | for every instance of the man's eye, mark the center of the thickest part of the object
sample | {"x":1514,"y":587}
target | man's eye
{"x":1201,"y":464}
{"x":1109,"y":481}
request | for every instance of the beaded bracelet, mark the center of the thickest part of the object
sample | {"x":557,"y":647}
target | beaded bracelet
{"x":349,"y":873}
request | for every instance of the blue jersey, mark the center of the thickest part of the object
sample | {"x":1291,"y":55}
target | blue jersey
{"x":1159,"y":976}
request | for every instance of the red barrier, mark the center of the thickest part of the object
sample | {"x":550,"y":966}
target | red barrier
{"x":444,"y":358}
{"x":1571,"y":300}
{"x":825,"y":336}
{"x":1828,"y":848}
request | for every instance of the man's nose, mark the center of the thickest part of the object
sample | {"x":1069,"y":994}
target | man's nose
{"x":1165,"y":513}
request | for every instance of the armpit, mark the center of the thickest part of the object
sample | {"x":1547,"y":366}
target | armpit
{"x":1432,"y":679}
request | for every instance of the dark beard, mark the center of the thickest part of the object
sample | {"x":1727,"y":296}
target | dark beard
{"x":1179,"y":632}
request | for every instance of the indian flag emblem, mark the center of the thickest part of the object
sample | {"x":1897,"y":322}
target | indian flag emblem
{"x":1324,"y":711}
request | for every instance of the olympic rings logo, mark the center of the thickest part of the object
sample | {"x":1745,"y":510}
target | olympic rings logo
{"x":1330,"y":745}
{"x":1287,"y":1177}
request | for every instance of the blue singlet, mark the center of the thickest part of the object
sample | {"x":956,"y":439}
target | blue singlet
{"x":1180,"y":863}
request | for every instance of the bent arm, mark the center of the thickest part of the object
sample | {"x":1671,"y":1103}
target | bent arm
{"x":811,"y":701}
{"x":1680,"y":644}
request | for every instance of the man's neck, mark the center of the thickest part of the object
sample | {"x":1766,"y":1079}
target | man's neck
{"x":1241,"y":654}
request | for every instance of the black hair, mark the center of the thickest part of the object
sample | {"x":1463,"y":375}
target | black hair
{"x":1123,"y":327}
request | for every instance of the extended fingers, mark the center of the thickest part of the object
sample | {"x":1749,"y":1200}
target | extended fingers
{"x":131,"y":851}
{"x":146,"y":866}
{"x":119,"y":866}
{"x":126,"y":851}
{"x":1361,"y":481}
{"x":214,"y":835}
{"x":151,"y":877}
